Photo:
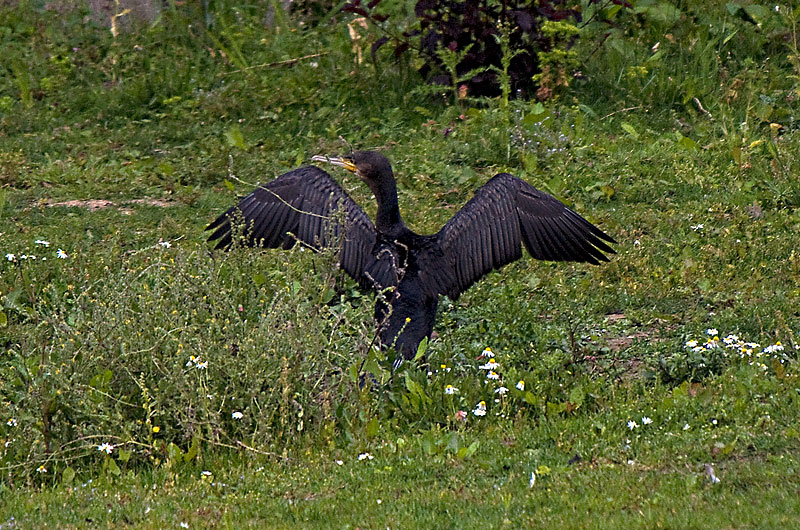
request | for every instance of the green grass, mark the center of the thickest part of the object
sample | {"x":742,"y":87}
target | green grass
{"x":392,"y":490}
{"x":685,"y":154}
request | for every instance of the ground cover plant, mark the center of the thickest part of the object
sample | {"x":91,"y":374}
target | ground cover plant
{"x":146,"y":381}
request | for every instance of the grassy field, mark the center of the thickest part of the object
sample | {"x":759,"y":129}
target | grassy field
{"x":147,"y":382}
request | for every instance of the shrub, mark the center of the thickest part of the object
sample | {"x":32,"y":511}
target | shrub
{"x":538,"y":33}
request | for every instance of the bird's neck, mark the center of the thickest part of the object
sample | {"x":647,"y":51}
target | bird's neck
{"x":388,"y":219}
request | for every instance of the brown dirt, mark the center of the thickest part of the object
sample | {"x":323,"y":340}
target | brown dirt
{"x":98,"y":204}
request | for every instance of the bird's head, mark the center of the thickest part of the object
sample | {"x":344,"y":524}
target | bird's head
{"x":371,"y":167}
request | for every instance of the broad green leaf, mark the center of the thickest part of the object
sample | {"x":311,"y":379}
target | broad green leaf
{"x":685,"y":141}
{"x":327,"y":295}
{"x":610,"y":12}
{"x":113,"y":468}
{"x":353,"y":371}
{"x":733,"y":8}
{"x":166,"y":168}
{"x":372,"y":428}
{"x":67,"y":476}
{"x":453,"y":443}
{"x":577,"y":395}
{"x":412,"y":386}
{"x":193,"y":451}
{"x":235,"y":137}
{"x":471,"y":450}
{"x":628,"y":128}
{"x":736,"y":152}
{"x":174,"y":452}
{"x":423,"y":346}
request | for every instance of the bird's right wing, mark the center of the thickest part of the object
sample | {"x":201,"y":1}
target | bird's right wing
{"x":490,"y":230}
{"x":304,"y":205}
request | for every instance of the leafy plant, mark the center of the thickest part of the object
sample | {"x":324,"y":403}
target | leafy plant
{"x":536,"y":34}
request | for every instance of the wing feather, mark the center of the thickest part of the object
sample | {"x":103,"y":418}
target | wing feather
{"x":490,"y":230}
{"x":302,"y":205}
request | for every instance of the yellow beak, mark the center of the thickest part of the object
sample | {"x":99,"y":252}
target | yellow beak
{"x":340,"y":161}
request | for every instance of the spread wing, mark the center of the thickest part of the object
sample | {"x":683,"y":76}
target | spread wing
{"x":489,"y":231}
{"x":304,"y":205}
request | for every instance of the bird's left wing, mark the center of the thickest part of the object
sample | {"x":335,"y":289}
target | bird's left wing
{"x":490,"y":230}
{"x":303,"y":204}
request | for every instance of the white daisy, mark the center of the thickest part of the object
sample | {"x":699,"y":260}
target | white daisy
{"x":491,"y":364}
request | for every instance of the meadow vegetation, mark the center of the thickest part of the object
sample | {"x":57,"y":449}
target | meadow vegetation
{"x":146,"y":381}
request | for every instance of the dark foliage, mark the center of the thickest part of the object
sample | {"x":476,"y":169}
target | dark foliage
{"x":471,"y":28}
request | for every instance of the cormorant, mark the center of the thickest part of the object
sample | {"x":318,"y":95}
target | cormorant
{"x":412,"y":270}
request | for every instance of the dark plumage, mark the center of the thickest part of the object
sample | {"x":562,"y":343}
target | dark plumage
{"x":487,"y":233}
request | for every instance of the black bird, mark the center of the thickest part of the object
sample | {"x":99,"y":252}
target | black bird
{"x":411,"y":270}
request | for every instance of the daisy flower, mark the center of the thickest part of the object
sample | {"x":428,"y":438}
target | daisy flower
{"x":491,"y":364}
